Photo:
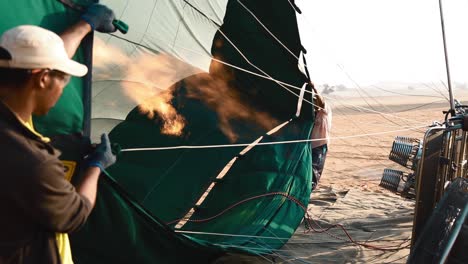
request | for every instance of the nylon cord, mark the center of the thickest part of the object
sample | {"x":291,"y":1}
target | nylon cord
{"x":293,"y":240}
{"x":263,"y":143}
{"x":261,"y":76}
{"x":367,"y":109}
{"x":279,"y":41}
{"x":307,"y":218}
{"x":267,"y":30}
{"x":287,"y":248}
{"x":269,"y":77}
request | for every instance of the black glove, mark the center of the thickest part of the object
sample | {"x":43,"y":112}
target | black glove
{"x":102,"y":156}
{"x":100,"y":18}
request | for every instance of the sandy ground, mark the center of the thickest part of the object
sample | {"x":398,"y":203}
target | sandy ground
{"x":349,"y":192}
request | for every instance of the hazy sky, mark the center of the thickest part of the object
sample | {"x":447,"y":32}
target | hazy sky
{"x":383,"y":40}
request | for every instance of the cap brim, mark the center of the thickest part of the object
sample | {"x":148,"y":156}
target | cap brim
{"x":73,"y":68}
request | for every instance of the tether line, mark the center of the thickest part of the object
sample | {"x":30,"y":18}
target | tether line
{"x":265,"y":143}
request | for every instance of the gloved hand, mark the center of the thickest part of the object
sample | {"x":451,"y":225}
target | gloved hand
{"x":102,"y":156}
{"x":100,"y":18}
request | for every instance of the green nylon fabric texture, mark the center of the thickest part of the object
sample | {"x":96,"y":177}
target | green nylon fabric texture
{"x":167,"y":184}
{"x":265,"y":54}
{"x":117,"y":232}
{"x":67,"y":116}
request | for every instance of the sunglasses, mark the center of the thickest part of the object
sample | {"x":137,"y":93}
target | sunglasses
{"x":65,"y":77}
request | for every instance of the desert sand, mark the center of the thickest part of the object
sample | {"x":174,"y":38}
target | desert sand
{"x":349,"y":193}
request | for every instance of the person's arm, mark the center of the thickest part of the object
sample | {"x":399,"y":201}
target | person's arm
{"x":97,"y":17}
{"x":318,"y":100}
{"x":48,"y":198}
{"x":88,"y":184}
{"x":73,"y":35}
{"x":99,"y":160}
{"x":55,"y":202}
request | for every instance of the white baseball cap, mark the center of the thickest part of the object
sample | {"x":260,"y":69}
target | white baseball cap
{"x":33,"y":47}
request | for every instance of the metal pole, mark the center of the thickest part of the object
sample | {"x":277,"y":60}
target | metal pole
{"x":87,"y":83}
{"x":452,"y":105}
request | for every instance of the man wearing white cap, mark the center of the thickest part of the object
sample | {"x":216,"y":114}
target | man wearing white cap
{"x":36,"y":201}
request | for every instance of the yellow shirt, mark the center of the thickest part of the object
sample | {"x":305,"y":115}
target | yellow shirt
{"x":63,"y":243}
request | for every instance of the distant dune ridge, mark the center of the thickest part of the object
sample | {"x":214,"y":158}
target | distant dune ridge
{"x":394,"y":88}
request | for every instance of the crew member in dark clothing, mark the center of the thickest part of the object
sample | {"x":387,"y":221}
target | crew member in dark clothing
{"x":36,"y":200}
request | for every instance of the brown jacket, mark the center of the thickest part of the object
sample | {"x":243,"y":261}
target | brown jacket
{"x":35,"y":199}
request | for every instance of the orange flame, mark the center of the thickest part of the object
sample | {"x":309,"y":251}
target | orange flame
{"x":147,"y":78}
{"x":217,"y":92}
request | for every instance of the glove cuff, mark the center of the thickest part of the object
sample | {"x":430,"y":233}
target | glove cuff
{"x":87,"y":20}
{"x":96,"y":164}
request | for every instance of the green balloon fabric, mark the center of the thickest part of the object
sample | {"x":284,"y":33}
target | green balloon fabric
{"x":149,"y":207}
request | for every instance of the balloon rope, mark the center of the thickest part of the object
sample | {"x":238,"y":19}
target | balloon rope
{"x":225,"y":170}
{"x":267,"y":30}
{"x":267,"y":78}
{"x":308,"y":218}
{"x":267,"y":143}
